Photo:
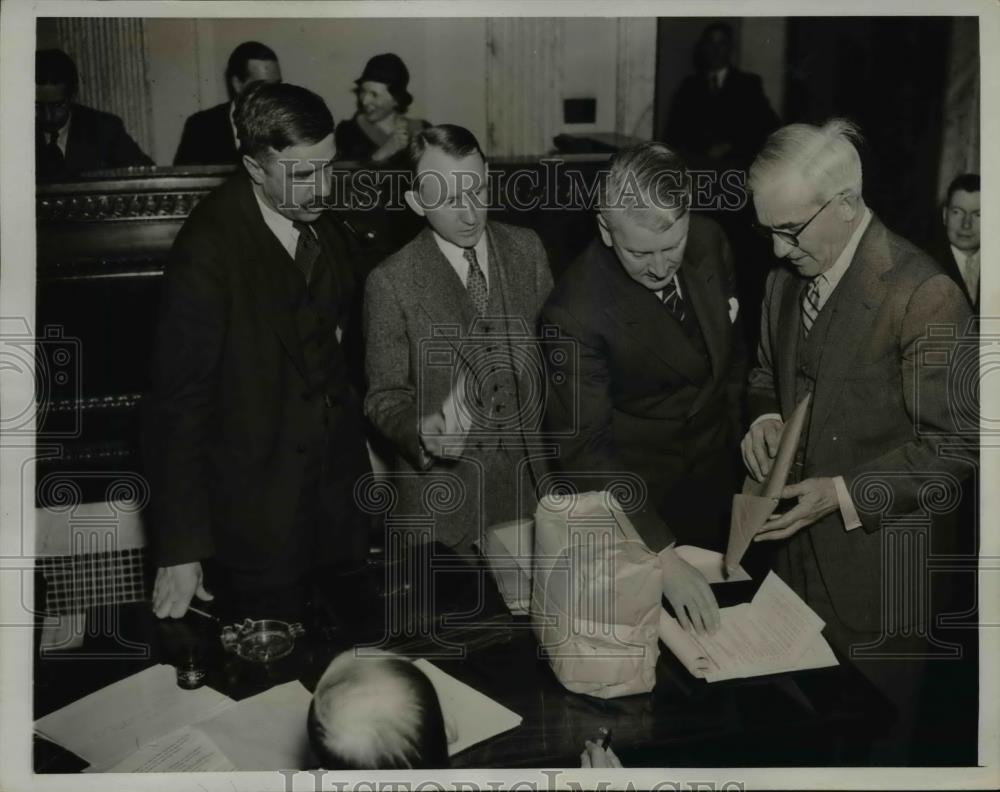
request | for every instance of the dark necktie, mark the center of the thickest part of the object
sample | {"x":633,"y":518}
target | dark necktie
{"x":476,"y":282}
{"x":306,"y":249}
{"x":672,"y":299}
{"x":51,"y":159}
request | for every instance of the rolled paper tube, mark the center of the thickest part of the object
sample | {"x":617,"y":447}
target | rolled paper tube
{"x":787,"y":446}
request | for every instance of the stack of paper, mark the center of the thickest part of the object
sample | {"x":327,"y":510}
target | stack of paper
{"x":774,"y":632}
{"x":107,"y":726}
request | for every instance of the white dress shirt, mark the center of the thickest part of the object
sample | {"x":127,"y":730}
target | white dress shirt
{"x":459,"y":263}
{"x":828,"y":281}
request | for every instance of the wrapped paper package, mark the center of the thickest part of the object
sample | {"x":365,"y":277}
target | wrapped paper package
{"x":757,"y":502}
{"x":596,"y":596}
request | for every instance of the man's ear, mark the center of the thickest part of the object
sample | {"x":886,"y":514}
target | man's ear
{"x":848,"y":207}
{"x":254,"y":169}
{"x":944,"y":215}
{"x":413,"y":202}
{"x":602,"y":226}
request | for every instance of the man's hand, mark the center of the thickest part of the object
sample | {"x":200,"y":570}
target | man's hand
{"x":398,"y":141}
{"x":760,"y":445}
{"x":432,"y":429}
{"x":595,"y":756}
{"x":689,"y":594}
{"x":174,"y":588}
{"x":817,"y":498}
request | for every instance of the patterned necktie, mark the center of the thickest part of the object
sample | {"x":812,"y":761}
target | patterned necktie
{"x":306,"y":249}
{"x":672,"y":299}
{"x":810,"y":304}
{"x":476,"y":283}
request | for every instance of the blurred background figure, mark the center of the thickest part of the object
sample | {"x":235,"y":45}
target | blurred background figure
{"x":720,"y":115}
{"x":719,"y":119}
{"x":209,"y":136}
{"x":959,"y":254}
{"x":380,"y":131}
{"x":69,"y":137}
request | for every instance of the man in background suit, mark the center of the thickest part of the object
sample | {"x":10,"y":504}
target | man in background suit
{"x":844,"y":321}
{"x":253,"y":435}
{"x":720,"y":115}
{"x":960,"y":254}
{"x":69,"y":137}
{"x":655,"y":389}
{"x":209,"y":136}
{"x":449,"y":332}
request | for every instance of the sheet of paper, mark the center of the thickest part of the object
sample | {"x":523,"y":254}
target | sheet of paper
{"x":456,"y":416}
{"x":112,"y":723}
{"x":266,"y":731}
{"x":187,"y":750}
{"x":710,"y":564}
{"x":475,"y":717}
{"x":774,"y":632}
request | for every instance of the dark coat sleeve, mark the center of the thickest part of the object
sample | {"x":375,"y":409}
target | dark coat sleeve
{"x":180,"y":409}
{"x":123,"y":152}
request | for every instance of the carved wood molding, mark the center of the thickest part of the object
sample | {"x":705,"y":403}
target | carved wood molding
{"x":117,"y":206}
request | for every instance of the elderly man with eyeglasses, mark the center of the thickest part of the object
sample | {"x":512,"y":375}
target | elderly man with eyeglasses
{"x":846,"y":319}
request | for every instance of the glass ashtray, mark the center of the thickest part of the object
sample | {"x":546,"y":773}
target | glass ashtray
{"x":261,"y":641}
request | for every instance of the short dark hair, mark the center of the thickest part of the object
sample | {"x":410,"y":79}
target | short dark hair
{"x":967,"y":182}
{"x":278,"y":115}
{"x":424,"y":748}
{"x":55,"y":67}
{"x":453,"y":140}
{"x":243,"y":54}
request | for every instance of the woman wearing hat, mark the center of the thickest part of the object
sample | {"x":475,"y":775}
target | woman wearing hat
{"x":380,"y":130}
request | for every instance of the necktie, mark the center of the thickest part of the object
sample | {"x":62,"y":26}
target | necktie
{"x":306,"y":249}
{"x":672,"y":299}
{"x":713,"y":82}
{"x":476,"y":282}
{"x":810,"y":304}
{"x":51,"y":160}
{"x":972,"y":276}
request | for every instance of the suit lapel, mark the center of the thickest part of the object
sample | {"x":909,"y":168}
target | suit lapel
{"x":787,"y":348}
{"x":645,"y":319}
{"x":702,"y":292}
{"x":861,"y":293}
{"x":442,"y":296}
{"x":265,"y":256}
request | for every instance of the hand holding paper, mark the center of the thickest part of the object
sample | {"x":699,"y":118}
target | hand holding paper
{"x":758,"y":501}
{"x":817,"y":498}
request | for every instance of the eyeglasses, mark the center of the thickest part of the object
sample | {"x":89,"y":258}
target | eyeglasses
{"x":790,"y":237}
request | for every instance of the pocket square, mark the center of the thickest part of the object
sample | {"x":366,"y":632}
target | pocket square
{"x":734,"y":309}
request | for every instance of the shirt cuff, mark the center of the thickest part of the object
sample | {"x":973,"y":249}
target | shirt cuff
{"x":766,"y":417}
{"x":847,"y":511}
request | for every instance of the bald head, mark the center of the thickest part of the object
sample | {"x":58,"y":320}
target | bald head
{"x":376,"y":713}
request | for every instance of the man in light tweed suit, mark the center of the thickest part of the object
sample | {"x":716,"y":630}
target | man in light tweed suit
{"x":454,"y":378}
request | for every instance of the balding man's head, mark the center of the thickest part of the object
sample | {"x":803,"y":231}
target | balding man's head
{"x":376,"y":713}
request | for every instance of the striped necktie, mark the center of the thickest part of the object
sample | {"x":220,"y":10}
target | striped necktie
{"x":476,"y":282}
{"x":810,"y":304}
{"x":671,"y":298}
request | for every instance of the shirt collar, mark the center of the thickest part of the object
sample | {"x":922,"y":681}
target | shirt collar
{"x":836,"y":272}
{"x":279,"y":225}
{"x":453,"y":252}
{"x":960,"y":256}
